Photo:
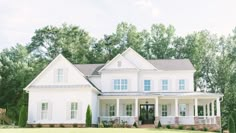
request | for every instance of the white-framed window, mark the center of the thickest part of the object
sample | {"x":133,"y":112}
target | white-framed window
{"x":120,"y":84}
{"x":129,"y":110}
{"x":181,"y":84}
{"x":164,"y":84}
{"x":111,"y":110}
{"x":124,"y":84}
{"x":44,"y":111}
{"x":73,"y":110}
{"x":147,"y":85}
{"x":163,"y":110}
{"x":182,"y":109}
{"x":60,"y":75}
{"x":116,"y":84}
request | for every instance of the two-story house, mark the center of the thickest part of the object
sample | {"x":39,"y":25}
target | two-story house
{"x":128,"y":88}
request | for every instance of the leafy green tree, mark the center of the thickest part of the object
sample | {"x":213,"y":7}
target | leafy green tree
{"x":88,"y":117}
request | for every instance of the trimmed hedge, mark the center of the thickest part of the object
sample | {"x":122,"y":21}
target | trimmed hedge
{"x":88,"y":117}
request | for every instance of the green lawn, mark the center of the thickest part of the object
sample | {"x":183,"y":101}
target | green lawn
{"x":93,"y":130}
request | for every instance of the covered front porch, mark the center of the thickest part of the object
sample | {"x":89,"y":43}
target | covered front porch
{"x":169,"y":110}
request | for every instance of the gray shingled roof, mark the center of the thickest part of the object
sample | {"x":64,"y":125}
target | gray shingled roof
{"x":163,"y":64}
{"x":172,"y":64}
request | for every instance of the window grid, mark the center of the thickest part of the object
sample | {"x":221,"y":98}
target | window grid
{"x":116,"y":84}
{"x":123,"y":84}
{"x":44,"y":111}
{"x":181,"y":84}
{"x":120,"y":84}
{"x":111,"y":110}
{"x":147,"y":85}
{"x":182,"y":109}
{"x":164,"y":84}
{"x":60,"y":75}
{"x":164,"y":110}
{"x":74,"y":110}
{"x":129,"y":109}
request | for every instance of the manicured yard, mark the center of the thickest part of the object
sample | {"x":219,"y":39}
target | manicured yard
{"x":94,"y":130}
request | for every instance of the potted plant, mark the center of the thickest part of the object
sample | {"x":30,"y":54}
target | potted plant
{"x":140,"y":120}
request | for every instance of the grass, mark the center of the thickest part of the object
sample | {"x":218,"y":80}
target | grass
{"x":93,"y":130}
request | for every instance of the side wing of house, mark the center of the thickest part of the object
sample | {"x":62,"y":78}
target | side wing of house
{"x":60,"y":94}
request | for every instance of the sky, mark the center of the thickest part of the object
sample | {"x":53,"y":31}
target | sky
{"x":20,"y":18}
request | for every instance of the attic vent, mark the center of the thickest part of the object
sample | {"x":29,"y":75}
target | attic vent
{"x":119,"y":63}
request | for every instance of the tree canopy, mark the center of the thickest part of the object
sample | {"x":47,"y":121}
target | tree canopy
{"x":213,"y":56}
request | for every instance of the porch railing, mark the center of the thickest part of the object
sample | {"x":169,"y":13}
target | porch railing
{"x":207,"y":120}
{"x":121,"y":119}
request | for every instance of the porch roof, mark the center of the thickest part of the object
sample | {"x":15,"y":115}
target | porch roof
{"x":161,"y":94}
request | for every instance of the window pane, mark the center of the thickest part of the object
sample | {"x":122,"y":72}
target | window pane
{"x":147,"y":85}
{"x":116,"y":84}
{"x":124,"y":84}
{"x":181,"y":84}
{"x":164,"y":84}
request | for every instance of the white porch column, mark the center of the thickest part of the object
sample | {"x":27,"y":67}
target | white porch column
{"x":212,"y":108}
{"x":218,"y":107}
{"x":136,"y":107}
{"x":117,"y":107}
{"x":156,"y":107}
{"x":204,"y":110}
{"x":196,"y":107}
{"x":208,"y":109}
{"x":176,"y":107}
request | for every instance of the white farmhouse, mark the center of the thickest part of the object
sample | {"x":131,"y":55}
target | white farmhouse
{"x":126,"y":89}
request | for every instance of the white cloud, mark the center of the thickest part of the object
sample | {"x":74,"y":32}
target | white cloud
{"x":147,"y":5}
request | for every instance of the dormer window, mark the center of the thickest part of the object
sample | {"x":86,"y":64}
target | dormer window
{"x":60,"y":75}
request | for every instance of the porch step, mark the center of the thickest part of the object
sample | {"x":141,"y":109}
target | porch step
{"x":147,"y":126}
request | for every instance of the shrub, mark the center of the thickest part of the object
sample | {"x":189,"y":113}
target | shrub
{"x":100,"y":125}
{"x":75,"y":125}
{"x":168,"y":126}
{"x":192,"y":128}
{"x":231,"y":124}
{"x":135,"y":125}
{"x":159,"y":124}
{"x":116,"y":125}
{"x":51,"y":125}
{"x":38,"y":125}
{"x":88,"y":117}
{"x":61,"y":125}
{"x":181,"y":127}
{"x":22,"y":116}
{"x":205,"y":129}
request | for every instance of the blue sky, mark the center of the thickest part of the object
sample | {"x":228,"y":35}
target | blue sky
{"x":20,"y":18}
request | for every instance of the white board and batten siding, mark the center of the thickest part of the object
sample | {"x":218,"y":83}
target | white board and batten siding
{"x":59,"y":98}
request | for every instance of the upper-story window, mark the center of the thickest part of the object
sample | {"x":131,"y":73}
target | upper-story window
{"x":120,"y":84}
{"x":147,"y":85}
{"x":60,"y":75}
{"x":181,"y":84}
{"x":44,"y":111}
{"x":164,"y":84}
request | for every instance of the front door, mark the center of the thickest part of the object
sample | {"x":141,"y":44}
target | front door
{"x":147,"y":113}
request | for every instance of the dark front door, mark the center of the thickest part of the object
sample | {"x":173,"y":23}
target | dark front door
{"x":147,"y":113}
